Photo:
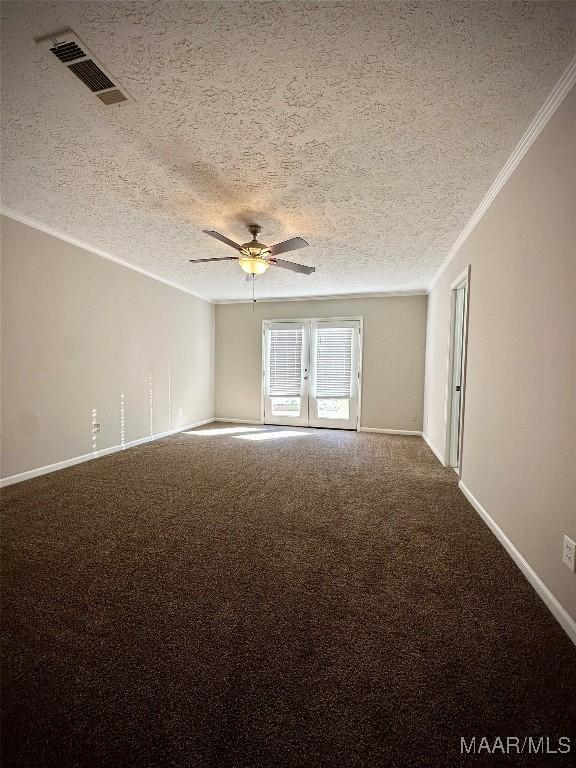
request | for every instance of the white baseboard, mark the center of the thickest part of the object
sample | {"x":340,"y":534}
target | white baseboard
{"x":238,"y":421}
{"x":556,"y":608}
{"x":362,"y":429}
{"x":30,"y":473}
{"x":391,"y":431}
{"x":434,"y":450}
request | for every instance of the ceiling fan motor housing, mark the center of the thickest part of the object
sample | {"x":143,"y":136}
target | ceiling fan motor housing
{"x":254,"y":255}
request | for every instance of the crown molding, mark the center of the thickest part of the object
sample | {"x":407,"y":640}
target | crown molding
{"x":328,"y":297}
{"x":544,"y":114}
{"x":9,"y":213}
{"x":535,"y":128}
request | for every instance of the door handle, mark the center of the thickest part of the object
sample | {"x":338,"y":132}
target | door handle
{"x":306,"y":378}
{"x":458,"y":388}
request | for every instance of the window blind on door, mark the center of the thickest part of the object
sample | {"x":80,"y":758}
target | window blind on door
{"x":334,"y":362}
{"x":285,"y":375}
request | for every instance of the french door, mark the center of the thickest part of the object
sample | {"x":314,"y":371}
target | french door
{"x":311,"y":373}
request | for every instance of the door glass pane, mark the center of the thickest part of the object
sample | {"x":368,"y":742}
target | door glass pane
{"x":333,"y":408}
{"x":333,"y":362}
{"x":285,"y":406}
{"x":285,"y":363}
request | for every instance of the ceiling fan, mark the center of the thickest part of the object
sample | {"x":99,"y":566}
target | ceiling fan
{"x":255,"y":258}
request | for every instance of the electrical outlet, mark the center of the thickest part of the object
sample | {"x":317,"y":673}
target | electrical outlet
{"x":569,"y":554}
{"x":95,"y":428}
{"x":180,"y":411}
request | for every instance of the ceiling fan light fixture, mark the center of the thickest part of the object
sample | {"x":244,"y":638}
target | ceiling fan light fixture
{"x":255,"y":258}
{"x":254,"y":265}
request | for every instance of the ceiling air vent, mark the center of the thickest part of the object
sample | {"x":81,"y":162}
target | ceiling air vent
{"x":91,"y":75}
{"x":112,"y":97}
{"x":67,"y":47}
{"x":67,"y":51}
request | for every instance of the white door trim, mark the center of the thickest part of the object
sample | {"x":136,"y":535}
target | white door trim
{"x":462,"y":279}
{"x":313,"y":419}
{"x":267,"y":321}
{"x":303,"y":419}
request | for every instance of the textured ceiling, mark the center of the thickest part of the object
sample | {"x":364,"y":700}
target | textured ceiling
{"x":373,"y":130}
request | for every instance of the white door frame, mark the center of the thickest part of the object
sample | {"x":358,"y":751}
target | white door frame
{"x":303,"y":418}
{"x":313,"y":419}
{"x":269,"y":320}
{"x":463,"y":279}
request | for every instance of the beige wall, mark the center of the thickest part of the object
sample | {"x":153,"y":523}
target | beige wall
{"x":519,"y":456}
{"x":393,"y":360}
{"x":78,"y":331}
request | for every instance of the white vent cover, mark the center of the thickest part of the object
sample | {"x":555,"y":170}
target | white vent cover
{"x":66,"y":49}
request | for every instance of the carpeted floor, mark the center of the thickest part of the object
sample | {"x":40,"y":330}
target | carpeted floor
{"x":319,"y":599}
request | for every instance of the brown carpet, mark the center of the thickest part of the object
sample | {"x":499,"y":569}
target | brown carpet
{"x":320,"y":600}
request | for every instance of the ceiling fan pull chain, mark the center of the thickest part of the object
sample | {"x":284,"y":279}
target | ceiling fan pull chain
{"x":253,"y":296}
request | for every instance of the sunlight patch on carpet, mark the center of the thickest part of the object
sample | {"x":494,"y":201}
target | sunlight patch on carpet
{"x":274,"y":435}
{"x":222,"y":431}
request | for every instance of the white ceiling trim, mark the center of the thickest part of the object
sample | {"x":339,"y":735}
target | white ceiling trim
{"x":9,"y":213}
{"x":328,"y":297}
{"x":554,"y":100}
{"x":377,"y":150}
{"x":556,"y":97}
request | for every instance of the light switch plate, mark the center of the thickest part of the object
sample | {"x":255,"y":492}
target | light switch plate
{"x":569,"y":554}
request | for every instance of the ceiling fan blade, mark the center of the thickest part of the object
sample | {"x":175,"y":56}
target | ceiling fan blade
{"x":291,"y":265}
{"x":222,"y":238}
{"x":288,"y":245}
{"x":221,"y":258}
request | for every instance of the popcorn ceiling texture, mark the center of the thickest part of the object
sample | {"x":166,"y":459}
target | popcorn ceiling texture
{"x":373,"y":130}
